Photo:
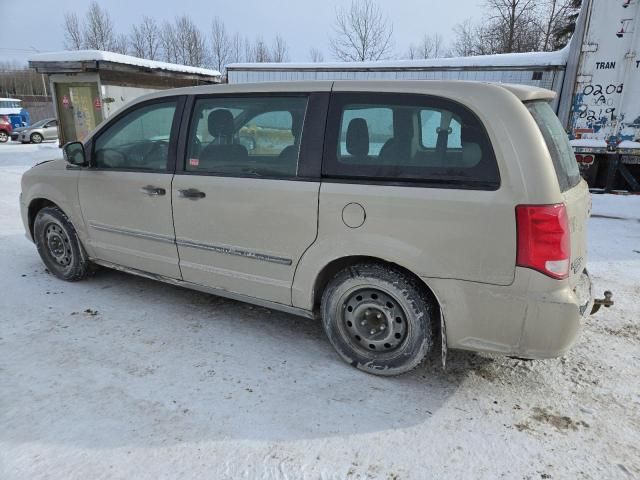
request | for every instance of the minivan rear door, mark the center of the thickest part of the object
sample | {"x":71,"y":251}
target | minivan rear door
{"x":245,"y":195}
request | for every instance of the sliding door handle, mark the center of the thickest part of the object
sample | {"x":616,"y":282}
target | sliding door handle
{"x":153,"y":191}
{"x":191,"y":194}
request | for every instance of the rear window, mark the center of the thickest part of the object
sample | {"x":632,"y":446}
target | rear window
{"x":564,"y":160}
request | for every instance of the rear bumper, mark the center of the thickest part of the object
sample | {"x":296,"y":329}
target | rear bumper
{"x":534,"y":317}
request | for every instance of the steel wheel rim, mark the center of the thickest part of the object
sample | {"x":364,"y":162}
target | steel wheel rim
{"x":372,"y":320}
{"x":58,"y":245}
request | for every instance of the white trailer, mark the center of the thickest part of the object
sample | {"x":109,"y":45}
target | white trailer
{"x":604,"y":100}
{"x":597,"y":78}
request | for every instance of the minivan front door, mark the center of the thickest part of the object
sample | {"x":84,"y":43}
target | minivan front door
{"x":125,"y":196}
{"x":243,"y":214}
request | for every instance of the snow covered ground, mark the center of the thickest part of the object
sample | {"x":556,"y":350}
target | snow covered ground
{"x":123,"y":377}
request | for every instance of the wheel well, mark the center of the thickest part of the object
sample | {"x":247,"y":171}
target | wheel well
{"x":34,"y":207}
{"x":332,"y":268}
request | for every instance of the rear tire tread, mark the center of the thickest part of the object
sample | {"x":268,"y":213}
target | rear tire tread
{"x":412,"y":292}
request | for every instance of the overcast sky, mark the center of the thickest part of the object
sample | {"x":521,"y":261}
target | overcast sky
{"x":303,"y":23}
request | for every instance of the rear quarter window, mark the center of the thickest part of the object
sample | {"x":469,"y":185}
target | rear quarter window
{"x":564,"y":160}
{"x":406,"y":138}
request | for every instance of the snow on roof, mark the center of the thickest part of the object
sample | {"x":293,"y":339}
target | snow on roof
{"x":557,"y":58}
{"x":629,"y":144}
{"x":588,"y":143}
{"x":10,"y":100}
{"x":102,"y":56}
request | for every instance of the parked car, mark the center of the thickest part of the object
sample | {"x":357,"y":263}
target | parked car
{"x":38,"y":132}
{"x":399,"y":213}
{"x":5,"y":128}
{"x":15,"y":135}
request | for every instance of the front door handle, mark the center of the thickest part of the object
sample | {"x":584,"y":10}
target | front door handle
{"x":192,"y":194}
{"x":153,"y":191}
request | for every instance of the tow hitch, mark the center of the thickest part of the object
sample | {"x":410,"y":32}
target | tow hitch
{"x":602,"y":302}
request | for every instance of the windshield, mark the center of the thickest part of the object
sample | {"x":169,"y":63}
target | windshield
{"x":40,"y":123}
{"x":564,"y":160}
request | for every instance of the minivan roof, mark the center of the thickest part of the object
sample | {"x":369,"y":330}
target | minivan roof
{"x":523,"y":92}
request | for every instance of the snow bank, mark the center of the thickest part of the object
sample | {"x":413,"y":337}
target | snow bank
{"x":558,"y":58}
{"x":123,"y":377}
{"x":102,"y":56}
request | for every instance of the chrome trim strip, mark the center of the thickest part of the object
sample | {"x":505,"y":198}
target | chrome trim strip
{"x":234,"y":251}
{"x":134,"y":233}
{"x":213,"y":291}
{"x":188,"y":243}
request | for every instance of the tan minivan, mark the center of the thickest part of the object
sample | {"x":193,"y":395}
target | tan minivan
{"x":400,"y":213}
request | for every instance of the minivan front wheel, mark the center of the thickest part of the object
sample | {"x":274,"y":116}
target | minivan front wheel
{"x":378,"y":318}
{"x":58,"y":245}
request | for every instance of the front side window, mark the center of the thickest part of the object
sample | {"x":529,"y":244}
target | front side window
{"x":139,"y":140}
{"x":414,"y":138}
{"x":246,"y":136}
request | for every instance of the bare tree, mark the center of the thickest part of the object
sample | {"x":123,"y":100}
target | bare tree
{"x":168,"y":43}
{"x":16,"y":79}
{"x":221,"y":45}
{"x":98,"y":29}
{"x":431,"y":46}
{"x":511,"y":26}
{"x":464,"y":43}
{"x":512,"y":21}
{"x":145,"y":39}
{"x":121,"y":44}
{"x":183,"y":43}
{"x":316,"y":55}
{"x":279,"y":50}
{"x":260,"y":51}
{"x":191,"y":47}
{"x":361,"y":33}
{"x":72,"y":32}
{"x":554,"y":15}
{"x":236,"y":53}
{"x":248,"y":50}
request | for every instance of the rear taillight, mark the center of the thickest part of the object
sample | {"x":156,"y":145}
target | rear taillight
{"x":543,"y":239}
{"x":584,"y":159}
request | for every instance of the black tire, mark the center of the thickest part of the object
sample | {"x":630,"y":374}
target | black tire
{"x":36,"y":138}
{"x":359,"y":300}
{"x":3,"y":136}
{"x":59,"y":246}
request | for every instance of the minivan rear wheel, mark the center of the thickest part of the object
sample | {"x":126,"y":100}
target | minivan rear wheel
{"x":59,"y":247}
{"x":378,"y":318}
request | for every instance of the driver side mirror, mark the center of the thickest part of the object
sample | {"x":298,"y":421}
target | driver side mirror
{"x":74,"y":154}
